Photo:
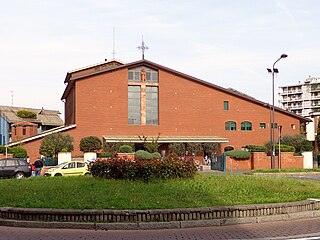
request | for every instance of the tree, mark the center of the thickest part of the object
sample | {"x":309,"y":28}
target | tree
{"x":194,"y":148}
{"x":52,"y":144}
{"x":178,"y":148}
{"x":90,"y":144}
{"x":298,"y":141}
{"x":151,"y":146}
{"x":211,"y":148}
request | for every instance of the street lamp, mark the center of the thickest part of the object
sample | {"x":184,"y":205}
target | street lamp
{"x":279,"y":153}
{"x":274,"y":71}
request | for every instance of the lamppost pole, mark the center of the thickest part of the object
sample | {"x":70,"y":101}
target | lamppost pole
{"x":273,"y":71}
{"x":279,"y":153}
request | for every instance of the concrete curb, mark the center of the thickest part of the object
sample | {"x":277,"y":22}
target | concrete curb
{"x":158,"y":218}
{"x":159,"y":225}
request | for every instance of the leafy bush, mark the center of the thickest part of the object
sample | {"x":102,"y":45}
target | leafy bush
{"x":52,"y":144}
{"x":103,"y":155}
{"x":113,"y":147}
{"x":18,"y":152}
{"x":2,"y":149}
{"x":26,"y":114}
{"x":238,"y":154}
{"x":141,"y":169}
{"x":211,"y":148}
{"x":156,"y":155}
{"x":284,"y":148}
{"x":298,"y":141}
{"x":125,"y":149}
{"x":256,"y":148}
{"x":194,"y":148}
{"x":90,"y":144}
{"x":178,"y":148}
{"x":142,"y":154}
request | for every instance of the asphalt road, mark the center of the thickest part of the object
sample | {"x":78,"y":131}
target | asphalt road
{"x":299,"y":229}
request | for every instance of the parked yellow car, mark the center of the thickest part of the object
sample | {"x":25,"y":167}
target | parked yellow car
{"x":71,"y":168}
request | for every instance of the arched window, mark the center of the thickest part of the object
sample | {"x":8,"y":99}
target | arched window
{"x":246,"y":126}
{"x":232,"y":126}
{"x":228,"y":148}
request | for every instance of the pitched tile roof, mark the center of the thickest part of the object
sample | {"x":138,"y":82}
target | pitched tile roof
{"x":70,"y":80}
{"x":44,"y":117}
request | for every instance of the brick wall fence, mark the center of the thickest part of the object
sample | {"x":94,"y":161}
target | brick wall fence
{"x":260,"y":160}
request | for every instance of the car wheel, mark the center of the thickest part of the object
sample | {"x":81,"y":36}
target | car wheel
{"x":87,"y":174}
{"x":58,"y":175}
{"x":19,"y":175}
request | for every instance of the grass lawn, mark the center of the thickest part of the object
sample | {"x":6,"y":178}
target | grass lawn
{"x":86,"y":192}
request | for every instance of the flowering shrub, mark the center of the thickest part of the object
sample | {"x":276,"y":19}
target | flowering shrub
{"x":142,"y":169}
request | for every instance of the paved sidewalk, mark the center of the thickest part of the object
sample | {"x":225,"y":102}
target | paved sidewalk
{"x":274,"y":231}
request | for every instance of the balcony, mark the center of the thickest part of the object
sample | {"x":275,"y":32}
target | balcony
{"x":295,"y":107}
{"x":291,"y":92}
{"x":315,"y":97}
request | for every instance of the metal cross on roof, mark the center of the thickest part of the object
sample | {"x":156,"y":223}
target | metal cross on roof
{"x":143,"y":47}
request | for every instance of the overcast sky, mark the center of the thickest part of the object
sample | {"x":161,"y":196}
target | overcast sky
{"x":226,"y":42}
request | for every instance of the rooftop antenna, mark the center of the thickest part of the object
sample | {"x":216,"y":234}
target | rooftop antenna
{"x":11,"y":98}
{"x":143,"y":47}
{"x":113,"y":51}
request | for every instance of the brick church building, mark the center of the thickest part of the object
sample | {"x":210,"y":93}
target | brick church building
{"x":120,"y":102}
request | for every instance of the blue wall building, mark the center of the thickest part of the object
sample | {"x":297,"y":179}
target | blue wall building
{"x":4,"y":131}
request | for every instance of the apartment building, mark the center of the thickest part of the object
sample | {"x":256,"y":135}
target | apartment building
{"x":302,"y":99}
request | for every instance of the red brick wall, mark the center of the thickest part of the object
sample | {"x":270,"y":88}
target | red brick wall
{"x":185,"y":108}
{"x":69,"y":108}
{"x":17,"y":132}
{"x":33,"y":149}
{"x":262,"y":161}
{"x":290,"y":161}
{"x":238,"y":165}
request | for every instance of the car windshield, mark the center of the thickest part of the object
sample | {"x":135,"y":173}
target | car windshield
{"x":60,"y":165}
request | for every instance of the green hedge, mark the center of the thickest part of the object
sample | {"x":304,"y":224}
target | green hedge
{"x":103,"y":155}
{"x":90,"y":144}
{"x":142,"y":169}
{"x":2,"y":149}
{"x":146,"y":155}
{"x":256,"y":148}
{"x":18,"y":151}
{"x":142,"y":154}
{"x":284,"y":148}
{"x":238,"y":154}
{"x":125,"y":149}
{"x":156,"y":155}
